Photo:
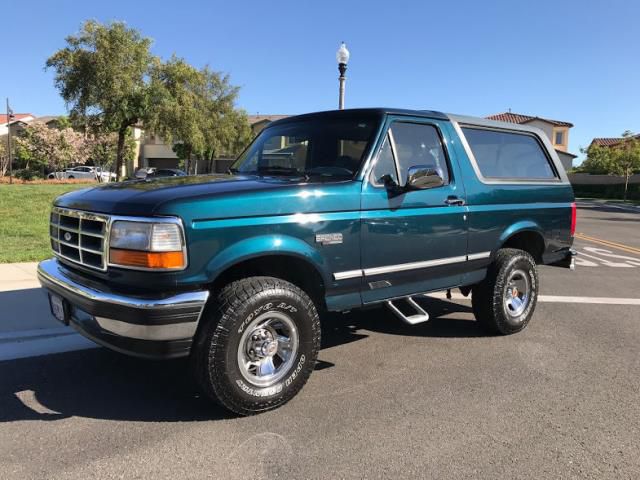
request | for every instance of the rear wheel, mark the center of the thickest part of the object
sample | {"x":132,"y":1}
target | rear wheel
{"x":257,"y":346}
{"x":505,"y":300}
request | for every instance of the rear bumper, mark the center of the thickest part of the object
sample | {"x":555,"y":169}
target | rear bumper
{"x":158,"y":326}
{"x":564,"y":258}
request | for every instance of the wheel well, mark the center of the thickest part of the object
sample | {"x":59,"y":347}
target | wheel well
{"x":286,"y":267}
{"x":529,"y":241}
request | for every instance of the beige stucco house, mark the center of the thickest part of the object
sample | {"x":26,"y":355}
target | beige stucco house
{"x":557,"y":131}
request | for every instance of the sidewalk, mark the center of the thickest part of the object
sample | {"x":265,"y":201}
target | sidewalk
{"x":27,"y":327}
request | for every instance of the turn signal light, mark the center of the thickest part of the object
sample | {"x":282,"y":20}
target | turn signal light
{"x":138,"y":259}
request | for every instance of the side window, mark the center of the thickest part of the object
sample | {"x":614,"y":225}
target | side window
{"x":385,"y":165}
{"x":508,"y":155}
{"x":417,"y":144}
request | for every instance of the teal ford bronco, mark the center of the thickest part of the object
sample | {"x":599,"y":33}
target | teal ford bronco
{"x":327,"y":211}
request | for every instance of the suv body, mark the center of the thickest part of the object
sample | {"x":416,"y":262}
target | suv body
{"x":328,"y":211}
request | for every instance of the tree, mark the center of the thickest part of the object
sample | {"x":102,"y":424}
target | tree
{"x":104,"y":76}
{"x":180,"y":113}
{"x":196,"y":111}
{"x":599,"y":161}
{"x":621,"y":159}
{"x":626,"y":158}
{"x":40,"y":146}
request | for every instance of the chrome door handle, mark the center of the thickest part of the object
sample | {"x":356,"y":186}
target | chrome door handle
{"x":454,"y":201}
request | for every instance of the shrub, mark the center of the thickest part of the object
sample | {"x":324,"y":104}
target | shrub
{"x":26,"y":174}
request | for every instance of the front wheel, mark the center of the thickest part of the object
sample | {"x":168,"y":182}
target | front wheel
{"x":257,"y":346}
{"x":505,"y":300}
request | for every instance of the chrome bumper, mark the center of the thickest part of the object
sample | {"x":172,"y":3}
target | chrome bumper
{"x":104,"y":315}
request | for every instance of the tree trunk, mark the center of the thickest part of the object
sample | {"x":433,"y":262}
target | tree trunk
{"x":122,"y":133}
{"x":627,"y":174}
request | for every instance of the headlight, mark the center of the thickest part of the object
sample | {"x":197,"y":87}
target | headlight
{"x":147,"y":245}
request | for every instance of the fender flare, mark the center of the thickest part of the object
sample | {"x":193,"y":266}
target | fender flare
{"x":521,"y":227}
{"x":264,"y":246}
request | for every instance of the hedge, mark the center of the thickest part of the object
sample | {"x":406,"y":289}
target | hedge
{"x":615,"y":191}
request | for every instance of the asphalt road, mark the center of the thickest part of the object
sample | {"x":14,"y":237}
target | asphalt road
{"x":438,"y":400}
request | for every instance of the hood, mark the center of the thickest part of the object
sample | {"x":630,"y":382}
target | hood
{"x":173,"y":195}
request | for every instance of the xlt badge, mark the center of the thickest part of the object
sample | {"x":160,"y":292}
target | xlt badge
{"x":329,"y":238}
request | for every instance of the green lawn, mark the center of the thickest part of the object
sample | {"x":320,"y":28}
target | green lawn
{"x":24,"y":220}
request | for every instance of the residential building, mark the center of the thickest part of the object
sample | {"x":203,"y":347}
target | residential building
{"x":556,"y":130}
{"x":609,"y":141}
{"x":17,"y":117}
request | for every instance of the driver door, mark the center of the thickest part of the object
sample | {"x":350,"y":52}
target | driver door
{"x":413,"y":241}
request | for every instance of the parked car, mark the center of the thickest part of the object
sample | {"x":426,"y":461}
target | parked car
{"x":168,"y":172}
{"x":152,"y":172}
{"x":364,"y":207}
{"x":84,"y":172}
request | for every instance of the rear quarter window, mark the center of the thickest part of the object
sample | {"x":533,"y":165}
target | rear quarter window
{"x":509,"y":155}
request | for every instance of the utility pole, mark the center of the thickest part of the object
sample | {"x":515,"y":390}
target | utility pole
{"x":9,"y":117}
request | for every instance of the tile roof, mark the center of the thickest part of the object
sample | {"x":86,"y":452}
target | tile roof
{"x":519,"y":118}
{"x":16,"y":116}
{"x":259,"y":118}
{"x":609,"y":142}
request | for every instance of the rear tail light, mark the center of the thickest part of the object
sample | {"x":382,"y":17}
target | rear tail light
{"x":573,"y":218}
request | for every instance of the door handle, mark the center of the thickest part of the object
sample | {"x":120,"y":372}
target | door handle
{"x":454,"y":201}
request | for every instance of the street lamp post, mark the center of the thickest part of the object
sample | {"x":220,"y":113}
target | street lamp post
{"x":9,"y":118}
{"x":342,"y":56}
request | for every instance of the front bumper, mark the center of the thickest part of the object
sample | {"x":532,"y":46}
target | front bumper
{"x":158,"y":326}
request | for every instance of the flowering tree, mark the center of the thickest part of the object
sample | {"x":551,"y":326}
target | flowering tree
{"x":40,"y":146}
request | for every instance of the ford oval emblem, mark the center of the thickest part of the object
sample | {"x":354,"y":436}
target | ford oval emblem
{"x":67,"y":236}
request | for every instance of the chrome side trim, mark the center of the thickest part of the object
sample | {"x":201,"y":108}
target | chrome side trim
{"x":414,"y":265}
{"x":478,"y":256}
{"x":409,"y":266}
{"x":348,"y":274}
{"x":176,"y":331}
{"x":49,"y":270}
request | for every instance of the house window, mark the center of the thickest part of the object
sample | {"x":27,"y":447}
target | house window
{"x":558,"y":137}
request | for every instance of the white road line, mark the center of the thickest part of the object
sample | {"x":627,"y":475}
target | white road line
{"x":558,"y":299}
{"x":598,"y":300}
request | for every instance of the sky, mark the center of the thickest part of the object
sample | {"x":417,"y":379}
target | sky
{"x":575,"y":61}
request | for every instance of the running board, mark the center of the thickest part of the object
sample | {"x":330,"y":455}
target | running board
{"x":419,"y":317}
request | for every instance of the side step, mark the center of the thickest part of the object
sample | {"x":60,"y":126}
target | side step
{"x":419,"y":315}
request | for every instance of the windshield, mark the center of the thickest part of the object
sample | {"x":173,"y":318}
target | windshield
{"x":322,"y":147}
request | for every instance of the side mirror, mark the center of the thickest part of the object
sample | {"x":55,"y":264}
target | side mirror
{"x":421,"y":177}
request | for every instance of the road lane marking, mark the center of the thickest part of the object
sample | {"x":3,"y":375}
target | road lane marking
{"x":556,"y":299}
{"x":608,"y":243}
{"x":594,"y":300}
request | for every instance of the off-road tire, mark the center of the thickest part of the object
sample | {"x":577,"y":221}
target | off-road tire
{"x":488,"y":296}
{"x":214,"y":354}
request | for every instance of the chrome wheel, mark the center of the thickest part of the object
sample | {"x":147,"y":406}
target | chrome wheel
{"x":267,"y":349}
{"x":517,"y":294}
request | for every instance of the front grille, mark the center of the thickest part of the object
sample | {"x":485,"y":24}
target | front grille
{"x":79,"y":237}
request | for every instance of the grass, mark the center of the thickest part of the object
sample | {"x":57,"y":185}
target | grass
{"x":24,"y":220}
